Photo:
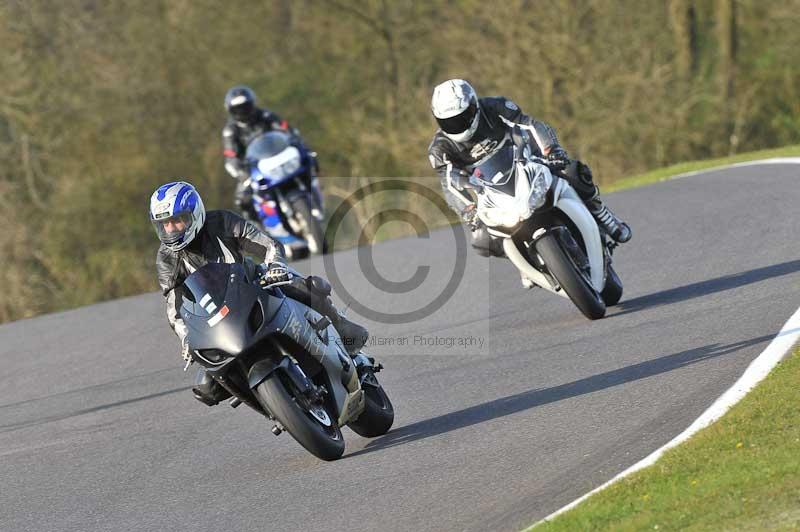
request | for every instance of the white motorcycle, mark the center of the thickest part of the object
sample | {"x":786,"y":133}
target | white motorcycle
{"x":547,"y":231}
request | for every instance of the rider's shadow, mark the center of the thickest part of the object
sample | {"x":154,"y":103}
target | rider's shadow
{"x":704,"y":288}
{"x":512,"y":404}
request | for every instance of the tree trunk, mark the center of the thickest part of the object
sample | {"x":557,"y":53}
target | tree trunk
{"x":684,"y":31}
{"x":726,"y":36}
{"x":726,"y":68}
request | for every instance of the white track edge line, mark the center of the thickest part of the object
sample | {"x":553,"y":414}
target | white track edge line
{"x":774,"y":160}
{"x":755,"y":372}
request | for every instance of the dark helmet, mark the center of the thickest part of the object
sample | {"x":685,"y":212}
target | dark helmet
{"x":240,"y":102}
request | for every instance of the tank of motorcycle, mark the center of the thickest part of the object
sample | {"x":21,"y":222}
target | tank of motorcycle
{"x":497,"y":169}
{"x":224,"y":311}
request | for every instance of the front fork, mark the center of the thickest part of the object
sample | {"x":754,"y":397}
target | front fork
{"x":366,"y":369}
{"x":282,"y":221}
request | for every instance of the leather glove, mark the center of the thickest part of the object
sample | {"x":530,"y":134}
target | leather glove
{"x":557,"y":158}
{"x":276,"y":272}
{"x":470,"y":214}
{"x":237,"y":168}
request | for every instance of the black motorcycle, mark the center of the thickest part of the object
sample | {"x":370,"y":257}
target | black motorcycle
{"x":281,"y":358}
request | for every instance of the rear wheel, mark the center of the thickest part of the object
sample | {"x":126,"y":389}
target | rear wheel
{"x":378,"y":414}
{"x":310,"y":227}
{"x":572,"y":280}
{"x":312,"y":427}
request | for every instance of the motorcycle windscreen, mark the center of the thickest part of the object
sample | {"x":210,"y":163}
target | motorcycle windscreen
{"x":497,"y":170}
{"x":267,"y":145}
{"x":274,"y":158}
{"x":206,"y":287}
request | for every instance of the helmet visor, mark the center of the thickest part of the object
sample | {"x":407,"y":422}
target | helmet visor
{"x":243,"y":111}
{"x":461,"y":122}
{"x":172,"y":229}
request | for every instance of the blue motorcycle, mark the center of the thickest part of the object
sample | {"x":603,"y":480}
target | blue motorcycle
{"x":286,"y":194}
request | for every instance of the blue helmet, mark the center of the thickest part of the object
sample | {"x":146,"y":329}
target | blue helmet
{"x":177,"y":213}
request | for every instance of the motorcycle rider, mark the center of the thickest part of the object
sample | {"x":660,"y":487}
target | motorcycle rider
{"x":191,"y":238}
{"x":471,"y":128}
{"x":245,"y":122}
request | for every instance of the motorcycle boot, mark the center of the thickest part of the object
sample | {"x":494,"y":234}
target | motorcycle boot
{"x":608,"y":221}
{"x":579,"y":175}
{"x":353,"y":335}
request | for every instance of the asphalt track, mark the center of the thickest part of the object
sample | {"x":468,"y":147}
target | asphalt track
{"x":520,"y":407}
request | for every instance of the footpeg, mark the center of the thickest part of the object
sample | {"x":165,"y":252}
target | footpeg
{"x":235,"y":402}
{"x":276,"y":430}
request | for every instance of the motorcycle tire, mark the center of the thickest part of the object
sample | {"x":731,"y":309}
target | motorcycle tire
{"x":378,"y":414}
{"x":580,"y":292}
{"x":311,"y":227}
{"x":324,"y":442}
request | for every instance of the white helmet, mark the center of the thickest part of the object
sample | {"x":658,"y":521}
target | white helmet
{"x":177,"y":213}
{"x":456,"y":109}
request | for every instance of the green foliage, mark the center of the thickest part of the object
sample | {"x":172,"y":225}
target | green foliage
{"x":103,"y":101}
{"x":693,"y":166}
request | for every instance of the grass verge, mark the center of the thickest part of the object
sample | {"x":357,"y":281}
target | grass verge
{"x":740,"y":473}
{"x":692,"y":166}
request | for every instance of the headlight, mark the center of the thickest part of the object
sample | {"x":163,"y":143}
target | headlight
{"x":497,"y":209}
{"x":269,"y":169}
{"x":281,"y":165}
{"x":290,"y":167}
{"x":539,"y":187}
{"x":504,"y":219}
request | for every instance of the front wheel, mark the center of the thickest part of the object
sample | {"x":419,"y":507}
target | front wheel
{"x":310,"y":227}
{"x":378,"y":414}
{"x":572,"y":280}
{"x":313,"y":428}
